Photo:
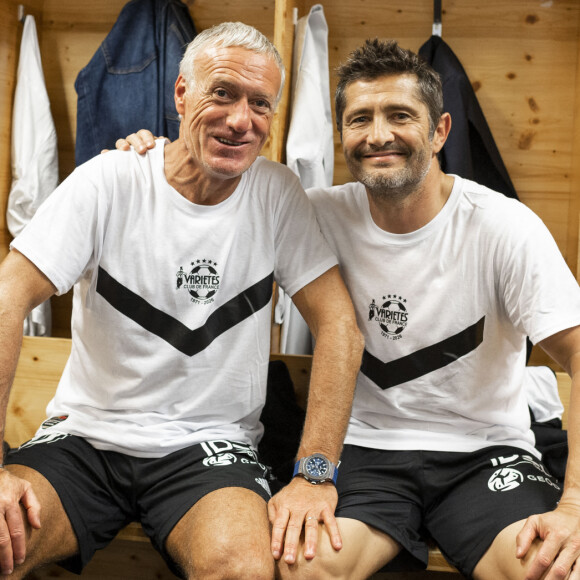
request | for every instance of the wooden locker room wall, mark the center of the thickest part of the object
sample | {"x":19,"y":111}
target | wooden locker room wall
{"x":522,"y":59}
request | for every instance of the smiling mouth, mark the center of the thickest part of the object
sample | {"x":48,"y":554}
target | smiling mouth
{"x":382,"y":157}
{"x":224,"y":141}
{"x":383,"y":153}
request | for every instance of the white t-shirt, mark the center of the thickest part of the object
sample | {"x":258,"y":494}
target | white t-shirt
{"x":445,"y":312}
{"x":172,"y":300}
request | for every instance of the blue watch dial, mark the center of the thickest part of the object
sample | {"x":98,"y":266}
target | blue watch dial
{"x":316,"y":467}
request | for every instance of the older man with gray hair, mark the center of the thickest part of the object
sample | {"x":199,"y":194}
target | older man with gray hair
{"x":172,"y":256}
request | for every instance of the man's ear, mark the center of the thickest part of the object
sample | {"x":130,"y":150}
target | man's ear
{"x":441,"y":132}
{"x":180,"y":90}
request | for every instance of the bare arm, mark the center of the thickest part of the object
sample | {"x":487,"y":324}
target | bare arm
{"x":327,"y":308}
{"x":22,"y":288}
{"x":560,"y":529}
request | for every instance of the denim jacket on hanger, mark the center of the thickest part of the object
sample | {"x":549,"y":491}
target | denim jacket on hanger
{"x":129,"y":82}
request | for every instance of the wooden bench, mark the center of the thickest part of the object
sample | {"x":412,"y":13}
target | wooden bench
{"x":39,"y":368}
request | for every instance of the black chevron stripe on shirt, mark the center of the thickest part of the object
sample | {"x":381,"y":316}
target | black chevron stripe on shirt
{"x":189,"y":342}
{"x":426,"y":360}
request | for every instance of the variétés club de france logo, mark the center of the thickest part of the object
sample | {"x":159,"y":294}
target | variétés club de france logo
{"x":201,"y":282}
{"x":391,"y":314}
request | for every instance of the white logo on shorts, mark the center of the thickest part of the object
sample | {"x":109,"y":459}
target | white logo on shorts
{"x":44,"y":438}
{"x":264,"y":484}
{"x":505,"y":479}
{"x":220,"y":459}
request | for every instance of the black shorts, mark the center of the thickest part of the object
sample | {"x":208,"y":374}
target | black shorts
{"x":460,"y":500}
{"x":102,"y":491}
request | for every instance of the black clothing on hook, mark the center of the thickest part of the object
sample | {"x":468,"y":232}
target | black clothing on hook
{"x":470,"y":150}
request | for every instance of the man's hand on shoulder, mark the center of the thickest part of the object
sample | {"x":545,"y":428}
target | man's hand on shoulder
{"x":302,"y":505}
{"x":14,"y":494}
{"x":141,"y":141}
{"x":559,"y":552}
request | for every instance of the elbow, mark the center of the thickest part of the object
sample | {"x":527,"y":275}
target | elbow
{"x":355,"y":341}
{"x":344,"y":339}
{"x":353,"y":353}
{"x":359,"y":343}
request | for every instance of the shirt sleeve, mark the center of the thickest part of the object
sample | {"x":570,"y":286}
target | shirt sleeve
{"x":62,"y":238}
{"x":542,"y":297}
{"x":302,"y":253}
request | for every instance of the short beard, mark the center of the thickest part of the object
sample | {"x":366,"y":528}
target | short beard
{"x":398,"y":186}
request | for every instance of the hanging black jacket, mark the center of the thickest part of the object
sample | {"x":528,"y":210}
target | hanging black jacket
{"x":470,"y":150}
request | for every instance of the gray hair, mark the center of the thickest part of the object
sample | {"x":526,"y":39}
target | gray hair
{"x":375,"y":59}
{"x":226,"y":35}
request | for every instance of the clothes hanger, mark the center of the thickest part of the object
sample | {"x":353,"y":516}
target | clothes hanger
{"x":437,"y":26}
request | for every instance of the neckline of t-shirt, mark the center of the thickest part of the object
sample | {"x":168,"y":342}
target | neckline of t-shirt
{"x":197,"y":208}
{"x":418,"y":235}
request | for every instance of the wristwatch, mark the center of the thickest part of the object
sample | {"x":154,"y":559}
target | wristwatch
{"x":316,"y":468}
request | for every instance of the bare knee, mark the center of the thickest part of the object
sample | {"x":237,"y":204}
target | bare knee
{"x":500,"y":561}
{"x":234,"y":571}
{"x":38,"y":553}
{"x":319,"y":568}
{"x":52,"y":542}
{"x":232,"y":545}
{"x":18,"y":574}
{"x":328,"y":564}
{"x":230,"y":561}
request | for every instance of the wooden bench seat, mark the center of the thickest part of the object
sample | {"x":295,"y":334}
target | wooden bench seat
{"x":40,"y":366}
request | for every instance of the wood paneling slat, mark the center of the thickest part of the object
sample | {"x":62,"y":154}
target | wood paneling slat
{"x":259,"y":13}
{"x":284,"y":41}
{"x":573,"y":247}
{"x":471,"y":19}
{"x":10,"y":31}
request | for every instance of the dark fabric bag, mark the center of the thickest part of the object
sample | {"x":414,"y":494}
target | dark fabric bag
{"x":552,"y":443}
{"x":283,"y":420}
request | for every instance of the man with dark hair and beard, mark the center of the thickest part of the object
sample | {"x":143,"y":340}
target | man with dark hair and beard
{"x":439,"y":441}
{"x":457,"y":276}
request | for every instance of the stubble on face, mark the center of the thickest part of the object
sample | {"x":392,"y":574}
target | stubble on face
{"x":387,"y":138}
{"x":396,"y":184}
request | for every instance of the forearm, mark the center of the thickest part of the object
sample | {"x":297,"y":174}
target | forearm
{"x":10,"y":343}
{"x":564,"y":348}
{"x":22,"y":287}
{"x":327,"y":308}
{"x":556,"y":534}
{"x":571,"y":491}
{"x":335,"y":365}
